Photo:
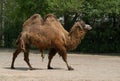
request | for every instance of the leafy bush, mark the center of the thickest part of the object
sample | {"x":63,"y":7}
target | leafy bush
{"x":101,"y":40}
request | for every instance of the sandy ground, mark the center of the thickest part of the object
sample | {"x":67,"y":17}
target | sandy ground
{"x":87,"y":68}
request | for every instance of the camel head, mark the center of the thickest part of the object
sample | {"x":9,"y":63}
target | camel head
{"x":79,"y":27}
{"x":84,"y":26}
{"x":76,"y":34}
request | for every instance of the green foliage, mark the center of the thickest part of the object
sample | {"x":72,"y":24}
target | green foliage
{"x":102,"y":15}
{"x":62,"y":6}
{"x":29,"y":7}
{"x":16,"y":12}
{"x":101,"y":40}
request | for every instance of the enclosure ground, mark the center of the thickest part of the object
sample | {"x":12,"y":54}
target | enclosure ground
{"x":87,"y":68}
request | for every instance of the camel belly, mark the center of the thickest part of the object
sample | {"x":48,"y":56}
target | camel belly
{"x":40,"y":42}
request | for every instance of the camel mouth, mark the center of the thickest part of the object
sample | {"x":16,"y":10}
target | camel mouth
{"x":88,"y":27}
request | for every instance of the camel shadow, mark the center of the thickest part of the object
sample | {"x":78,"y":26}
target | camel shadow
{"x":26,"y":69}
{"x":56,"y":69}
{"x":23,"y":68}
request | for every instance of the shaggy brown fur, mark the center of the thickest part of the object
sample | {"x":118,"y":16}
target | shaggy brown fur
{"x":34,"y":19}
{"x":51,"y":19}
{"x":50,"y":35}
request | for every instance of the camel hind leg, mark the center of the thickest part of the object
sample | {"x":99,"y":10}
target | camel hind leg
{"x":26,"y":58}
{"x":15,"y":54}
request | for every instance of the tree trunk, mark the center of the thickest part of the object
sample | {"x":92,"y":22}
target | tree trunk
{"x":118,"y":20}
{"x":3,"y":21}
{"x":66,"y":21}
{"x":69,"y":21}
{"x":74,"y":19}
{"x":114,"y":20}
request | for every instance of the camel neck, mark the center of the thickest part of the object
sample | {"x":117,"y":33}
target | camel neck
{"x":75,"y":39}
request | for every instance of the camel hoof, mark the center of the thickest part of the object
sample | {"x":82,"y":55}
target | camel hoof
{"x":50,"y":67}
{"x":12,"y":67}
{"x":32,"y":68}
{"x":70,"y":68}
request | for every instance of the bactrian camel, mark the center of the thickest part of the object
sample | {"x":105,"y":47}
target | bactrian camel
{"x":49,"y":34}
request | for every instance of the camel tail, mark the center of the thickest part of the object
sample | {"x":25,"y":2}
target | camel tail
{"x":20,"y":42}
{"x":42,"y":55}
{"x":18,"y":39}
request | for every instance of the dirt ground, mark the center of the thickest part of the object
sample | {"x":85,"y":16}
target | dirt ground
{"x":87,"y":68}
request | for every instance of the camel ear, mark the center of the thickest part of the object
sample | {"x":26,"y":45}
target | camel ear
{"x":82,"y":23}
{"x":77,"y":24}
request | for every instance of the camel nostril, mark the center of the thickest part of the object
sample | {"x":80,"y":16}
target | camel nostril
{"x":88,"y":27}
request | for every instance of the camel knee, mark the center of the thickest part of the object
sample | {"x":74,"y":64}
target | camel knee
{"x":26,"y":59}
{"x":15,"y":54}
{"x":51,"y":56}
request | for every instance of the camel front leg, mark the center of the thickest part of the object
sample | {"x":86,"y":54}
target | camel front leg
{"x":63,"y":53}
{"x":26,"y":58}
{"x":50,"y":56}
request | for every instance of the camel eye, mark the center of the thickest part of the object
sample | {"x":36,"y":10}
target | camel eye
{"x":80,"y":27}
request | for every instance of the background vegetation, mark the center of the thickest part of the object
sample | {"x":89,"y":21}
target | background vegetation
{"x":102,"y":15}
